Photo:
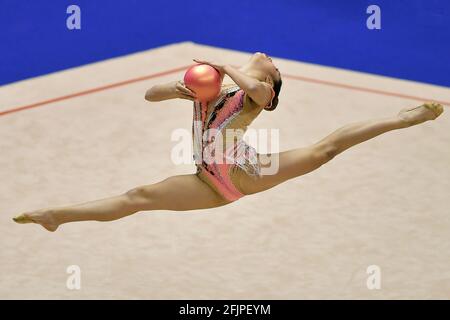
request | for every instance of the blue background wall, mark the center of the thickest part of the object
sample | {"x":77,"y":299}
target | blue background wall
{"x":414,"y":42}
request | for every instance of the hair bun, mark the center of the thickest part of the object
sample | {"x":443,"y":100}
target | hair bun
{"x":273,"y":105}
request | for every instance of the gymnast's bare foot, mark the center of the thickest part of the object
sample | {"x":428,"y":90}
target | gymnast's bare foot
{"x":43,"y":217}
{"x":422,"y":113}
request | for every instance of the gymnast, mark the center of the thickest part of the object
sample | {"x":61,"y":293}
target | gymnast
{"x":215,"y":183}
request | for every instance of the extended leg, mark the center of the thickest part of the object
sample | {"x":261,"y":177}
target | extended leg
{"x":296,"y":162}
{"x":178,"y":193}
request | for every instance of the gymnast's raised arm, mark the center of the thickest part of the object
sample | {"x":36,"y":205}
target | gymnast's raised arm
{"x":171,"y":90}
{"x":258,"y":91}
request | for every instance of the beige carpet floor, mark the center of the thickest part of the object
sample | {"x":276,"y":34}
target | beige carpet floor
{"x":383,"y":203}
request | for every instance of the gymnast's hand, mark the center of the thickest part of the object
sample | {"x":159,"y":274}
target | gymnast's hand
{"x":184,"y":92}
{"x":171,"y":90}
{"x":218,"y":66}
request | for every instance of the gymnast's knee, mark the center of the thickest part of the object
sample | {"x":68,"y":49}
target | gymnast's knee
{"x":143,"y":197}
{"x":325,"y":151}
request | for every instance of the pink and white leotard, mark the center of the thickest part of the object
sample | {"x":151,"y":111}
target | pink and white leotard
{"x":219,"y":157}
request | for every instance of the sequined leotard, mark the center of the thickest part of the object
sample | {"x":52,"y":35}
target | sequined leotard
{"x":222,"y":152}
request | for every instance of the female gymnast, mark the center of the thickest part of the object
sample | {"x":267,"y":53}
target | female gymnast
{"x":256,"y":87}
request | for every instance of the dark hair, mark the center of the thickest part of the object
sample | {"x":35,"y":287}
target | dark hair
{"x":276,"y":87}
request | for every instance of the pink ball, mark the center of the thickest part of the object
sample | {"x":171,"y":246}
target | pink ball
{"x":204,"y":80}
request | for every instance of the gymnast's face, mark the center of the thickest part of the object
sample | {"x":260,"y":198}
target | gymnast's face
{"x":261,"y":67}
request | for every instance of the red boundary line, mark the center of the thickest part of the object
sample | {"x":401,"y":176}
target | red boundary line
{"x":93,"y":90}
{"x":356,"y":88}
{"x":160,"y":74}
